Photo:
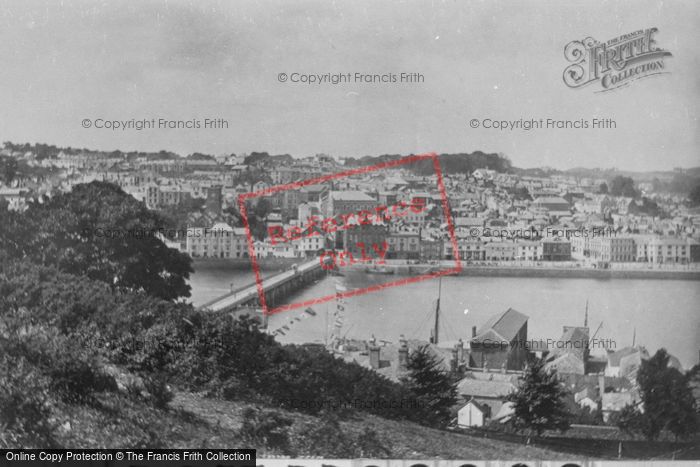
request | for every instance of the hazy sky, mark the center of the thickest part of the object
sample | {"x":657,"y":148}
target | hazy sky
{"x":61,"y":62}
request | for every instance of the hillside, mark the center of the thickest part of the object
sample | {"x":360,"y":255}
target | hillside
{"x":402,"y":439}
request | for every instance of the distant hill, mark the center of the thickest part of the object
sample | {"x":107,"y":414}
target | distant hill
{"x":450,"y":163}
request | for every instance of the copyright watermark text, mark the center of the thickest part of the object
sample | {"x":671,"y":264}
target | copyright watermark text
{"x":529,"y":124}
{"x":320,"y":79}
{"x":140,"y":124}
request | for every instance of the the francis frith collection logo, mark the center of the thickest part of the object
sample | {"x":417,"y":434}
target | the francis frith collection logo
{"x":615,"y":63}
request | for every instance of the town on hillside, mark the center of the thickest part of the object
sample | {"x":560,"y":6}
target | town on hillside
{"x":501,"y":215}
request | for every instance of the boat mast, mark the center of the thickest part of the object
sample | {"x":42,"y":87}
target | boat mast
{"x":325,"y":327}
{"x":437,"y":313}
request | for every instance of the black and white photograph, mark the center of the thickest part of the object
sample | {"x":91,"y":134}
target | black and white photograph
{"x":350,"y":233}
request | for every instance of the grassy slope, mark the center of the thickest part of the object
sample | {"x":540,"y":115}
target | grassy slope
{"x":196,"y":421}
{"x":193,"y":421}
{"x":404,"y":439}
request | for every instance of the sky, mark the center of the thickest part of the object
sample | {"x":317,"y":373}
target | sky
{"x":65,"y":61}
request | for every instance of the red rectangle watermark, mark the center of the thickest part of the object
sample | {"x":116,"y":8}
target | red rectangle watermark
{"x":349,"y":173}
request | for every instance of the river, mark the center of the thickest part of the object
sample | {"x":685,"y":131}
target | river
{"x":664,"y":313}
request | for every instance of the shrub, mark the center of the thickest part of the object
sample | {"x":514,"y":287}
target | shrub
{"x":327,"y":439}
{"x":76,"y":374}
{"x":369,"y":445}
{"x":25,"y":408}
{"x":158,"y":390}
{"x":266,"y":427}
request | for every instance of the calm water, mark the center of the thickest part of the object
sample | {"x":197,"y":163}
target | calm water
{"x":665,"y":313}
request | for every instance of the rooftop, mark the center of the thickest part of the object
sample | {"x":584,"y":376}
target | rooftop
{"x":505,"y":325}
{"x":350,"y":195}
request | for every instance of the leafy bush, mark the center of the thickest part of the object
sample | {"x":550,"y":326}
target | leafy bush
{"x":158,"y":390}
{"x":369,"y":445}
{"x":267,"y":428}
{"x":231,"y":358}
{"x":76,"y":376}
{"x":327,"y":439}
{"x":25,"y":408}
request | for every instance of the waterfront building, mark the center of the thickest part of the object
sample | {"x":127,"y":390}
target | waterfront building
{"x":365,"y":237}
{"x":526,"y":250}
{"x":668,"y":250}
{"x":580,"y":246}
{"x":612,"y":249}
{"x":470,"y":249}
{"x":218,"y":241}
{"x":555,"y":249}
{"x":431,"y":247}
{"x":265,"y":249}
{"x":500,"y":251}
{"x":404,"y":244}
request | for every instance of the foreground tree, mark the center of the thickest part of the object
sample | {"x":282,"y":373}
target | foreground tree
{"x":100,"y":232}
{"x":433,"y":388}
{"x":667,"y":398}
{"x":539,"y":401}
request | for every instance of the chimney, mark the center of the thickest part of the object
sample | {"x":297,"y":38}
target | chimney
{"x":460,"y":346}
{"x":601,"y":386}
{"x":374,"y":355}
{"x":403,"y":354}
{"x":473,"y":332}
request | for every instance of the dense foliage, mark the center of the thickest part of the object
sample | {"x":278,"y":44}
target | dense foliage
{"x":623,"y":186}
{"x":450,"y":163}
{"x":433,"y":389}
{"x":98,"y":231}
{"x":67,"y":331}
{"x":694,"y":196}
{"x":539,"y":402}
{"x":668,"y":401}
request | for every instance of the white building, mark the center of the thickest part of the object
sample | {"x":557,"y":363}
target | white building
{"x":219,"y":241}
{"x":472,"y":414}
{"x":15,"y":198}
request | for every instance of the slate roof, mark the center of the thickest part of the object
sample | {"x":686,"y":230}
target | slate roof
{"x":502,"y":327}
{"x":484,"y":388}
{"x":351,"y":195}
{"x":615,"y":357}
{"x":573,"y":341}
{"x":550,"y":200}
{"x":389,"y":357}
{"x":483,"y":408}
